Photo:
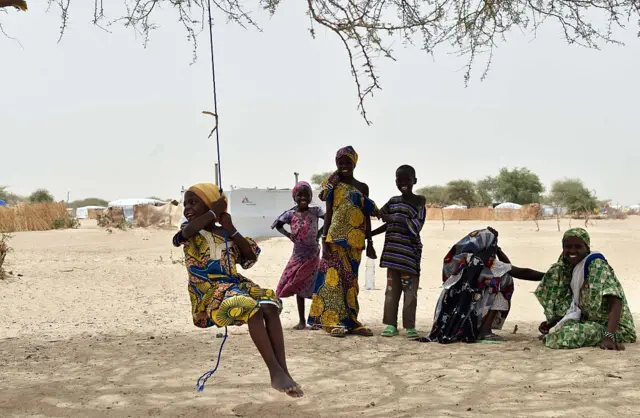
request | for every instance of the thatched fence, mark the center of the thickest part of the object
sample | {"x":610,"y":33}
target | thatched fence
{"x":525,"y":213}
{"x":37,"y":217}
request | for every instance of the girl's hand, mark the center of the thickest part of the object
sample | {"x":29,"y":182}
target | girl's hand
{"x":325,"y":249}
{"x":371,"y":251}
{"x":219,"y":206}
{"x":226,"y":222}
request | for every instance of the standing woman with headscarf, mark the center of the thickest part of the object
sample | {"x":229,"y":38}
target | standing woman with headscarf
{"x":584,"y":303}
{"x":299,"y":275}
{"x":347,"y":228}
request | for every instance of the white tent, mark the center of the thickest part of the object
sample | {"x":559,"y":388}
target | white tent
{"x":508,"y":205}
{"x":454,"y":207}
{"x":128,"y":204}
{"x":83,"y":212}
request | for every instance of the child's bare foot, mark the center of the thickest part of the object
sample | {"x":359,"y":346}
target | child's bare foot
{"x":283,"y":383}
{"x":301,"y":325}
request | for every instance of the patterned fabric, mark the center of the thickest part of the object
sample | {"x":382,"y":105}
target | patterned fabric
{"x":350,"y":206}
{"x":220,"y":296}
{"x":300,"y":273}
{"x":555,"y":295}
{"x":207,"y":192}
{"x":335,"y":298}
{"x":402,"y":245}
{"x":475,"y":282}
{"x":578,"y":233}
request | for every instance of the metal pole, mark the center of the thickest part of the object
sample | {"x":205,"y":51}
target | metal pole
{"x":296,"y":175}
{"x":217,"y":176}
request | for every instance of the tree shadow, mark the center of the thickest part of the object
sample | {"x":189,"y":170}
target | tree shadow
{"x":143,"y":375}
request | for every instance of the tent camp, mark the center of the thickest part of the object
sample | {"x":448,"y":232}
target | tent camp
{"x":508,"y":205}
{"x":88,"y":212}
{"x":127,"y":205}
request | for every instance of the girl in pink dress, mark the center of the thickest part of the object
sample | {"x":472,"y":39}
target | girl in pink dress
{"x":299,"y":275}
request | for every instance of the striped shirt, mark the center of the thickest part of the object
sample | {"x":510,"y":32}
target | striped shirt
{"x":402,"y":245}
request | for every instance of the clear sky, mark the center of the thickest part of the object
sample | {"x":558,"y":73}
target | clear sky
{"x":99,"y":115}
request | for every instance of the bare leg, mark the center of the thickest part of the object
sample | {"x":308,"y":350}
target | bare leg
{"x":280,"y":379}
{"x":302,"y":324}
{"x":274,"y":330}
{"x":485,"y":329}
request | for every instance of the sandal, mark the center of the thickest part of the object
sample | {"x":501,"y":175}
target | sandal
{"x":412,"y":333}
{"x":338,"y":332}
{"x":390,"y":331}
{"x":361,"y":331}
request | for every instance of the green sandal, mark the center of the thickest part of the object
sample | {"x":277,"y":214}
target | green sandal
{"x":412,"y":333}
{"x":390,"y":331}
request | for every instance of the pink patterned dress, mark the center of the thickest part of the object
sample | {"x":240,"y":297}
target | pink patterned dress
{"x":299,"y":275}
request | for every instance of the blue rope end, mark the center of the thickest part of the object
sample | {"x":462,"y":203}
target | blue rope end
{"x":203,"y":379}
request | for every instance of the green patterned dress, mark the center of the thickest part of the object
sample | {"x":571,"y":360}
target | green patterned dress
{"x":554,"y":294}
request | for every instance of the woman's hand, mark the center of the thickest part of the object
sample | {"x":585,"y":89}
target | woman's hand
{"x":371,"y":251}
{"x":544,"y":328}
{"x":608,"y":344}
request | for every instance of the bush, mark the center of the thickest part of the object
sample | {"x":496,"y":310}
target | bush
{"x":65,"y":223}
{"x":4,"y":250}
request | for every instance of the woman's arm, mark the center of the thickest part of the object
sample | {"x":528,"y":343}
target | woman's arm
{"x":237,"y":238}
{"x":615,"y":310}
{"x":526,"y":274}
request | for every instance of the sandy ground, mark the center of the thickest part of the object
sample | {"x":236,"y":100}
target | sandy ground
{"x":99,"y":325}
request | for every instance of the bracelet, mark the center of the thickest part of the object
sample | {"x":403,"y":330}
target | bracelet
{"x":214,"y":214}
{"x":610,"y":335}
{"x":235,"y":233}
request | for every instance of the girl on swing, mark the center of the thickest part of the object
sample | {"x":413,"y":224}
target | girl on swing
{"x":220,"y":296}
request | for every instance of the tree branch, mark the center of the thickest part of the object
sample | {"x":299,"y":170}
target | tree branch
{"x":367,"y":29}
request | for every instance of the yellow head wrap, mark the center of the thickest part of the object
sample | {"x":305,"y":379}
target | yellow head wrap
{"x":207,"y":192}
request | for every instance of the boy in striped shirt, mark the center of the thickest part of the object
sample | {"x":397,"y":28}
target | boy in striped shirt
{"x":403,"y":218}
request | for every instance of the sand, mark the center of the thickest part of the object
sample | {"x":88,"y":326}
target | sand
{"x":99,"y":325}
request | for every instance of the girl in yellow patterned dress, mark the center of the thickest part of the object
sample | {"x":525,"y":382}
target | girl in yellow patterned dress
{"x":334,"y":306}
{"x":220,"y":295}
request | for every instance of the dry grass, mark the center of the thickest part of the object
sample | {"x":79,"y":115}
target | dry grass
{"x":37,"y":217}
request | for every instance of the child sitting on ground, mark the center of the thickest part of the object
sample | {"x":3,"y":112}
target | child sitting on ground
{"x":220,"y":296}
{"x":404,"y":217}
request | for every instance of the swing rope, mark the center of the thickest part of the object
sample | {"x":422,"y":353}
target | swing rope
{"x":203,"y":379}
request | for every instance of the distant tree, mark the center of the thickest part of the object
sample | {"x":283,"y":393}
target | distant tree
{"x":573,"y":195}
{"x":90,"y":201}
{"x":519,"y":185}
{"x":462,"y":192}
{"x":10,"y":198}
{"x":317,"y":179}
{"x":486,"y":190}
{"x":435,"y":195}
{"x":41,"y":196}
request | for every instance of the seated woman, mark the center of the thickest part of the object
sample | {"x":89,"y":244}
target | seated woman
{"x":477,"y":291}
{"x":583,"y":301}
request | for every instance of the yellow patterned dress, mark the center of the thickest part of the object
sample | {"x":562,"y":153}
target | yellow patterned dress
{"x":220,"y":296}
{"x":335,"y":297}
